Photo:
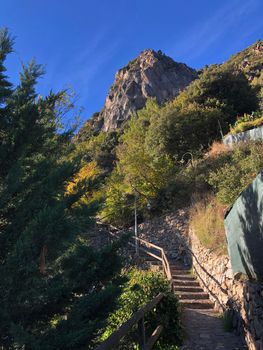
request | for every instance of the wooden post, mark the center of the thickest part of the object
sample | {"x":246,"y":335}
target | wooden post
{"x":154,"y":337}
{"x":141,"y":331}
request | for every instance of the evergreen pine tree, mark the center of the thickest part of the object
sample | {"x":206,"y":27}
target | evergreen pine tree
{"x":6,"y":43}
{"x":55,"y":290}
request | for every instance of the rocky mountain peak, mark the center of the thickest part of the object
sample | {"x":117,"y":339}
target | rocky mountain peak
{"x":150,"y":75}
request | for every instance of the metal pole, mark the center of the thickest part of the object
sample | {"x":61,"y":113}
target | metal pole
{"x":136,"y":226}
{"x":220,"y":129}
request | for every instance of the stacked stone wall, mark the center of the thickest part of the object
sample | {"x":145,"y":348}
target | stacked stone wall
{"x":241,"y":299}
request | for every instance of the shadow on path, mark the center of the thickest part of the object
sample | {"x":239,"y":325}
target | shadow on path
{"x":205,"y":332}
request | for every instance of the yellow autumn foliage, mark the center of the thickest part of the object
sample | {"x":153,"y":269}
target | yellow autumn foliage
{"x":87,"y":172}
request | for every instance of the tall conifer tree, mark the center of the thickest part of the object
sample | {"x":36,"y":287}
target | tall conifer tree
{"x":55,"y":291}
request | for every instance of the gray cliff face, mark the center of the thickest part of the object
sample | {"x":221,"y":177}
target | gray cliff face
{"x":151,"y":75}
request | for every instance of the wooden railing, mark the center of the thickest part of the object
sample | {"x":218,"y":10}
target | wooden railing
{"x":161,"y":255}
{"x":145,"y":247}
{"x":138,"y":318}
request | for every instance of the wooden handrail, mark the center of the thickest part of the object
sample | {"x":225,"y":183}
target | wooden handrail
{"x":115,"y":338}
{"x":148,"y":243}
{"x":162,"y":258}
{"x":151,"y":254}
{"x":138,"y":317}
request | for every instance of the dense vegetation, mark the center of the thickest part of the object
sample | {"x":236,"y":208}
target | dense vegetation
{"x":57,"y":291}
{"x":141,"y":287}
{"x":163,"y":156}
{"x":247,"y":122}
{"x":160,"y":141}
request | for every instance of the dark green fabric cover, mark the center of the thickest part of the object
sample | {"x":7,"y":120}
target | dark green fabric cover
{"x":244,"y":231}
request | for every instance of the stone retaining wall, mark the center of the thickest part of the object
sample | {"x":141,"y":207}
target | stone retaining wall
{"x":242,"y":299}
{"x":253,"y":134}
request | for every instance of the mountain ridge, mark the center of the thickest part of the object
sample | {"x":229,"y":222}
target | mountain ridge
{"x":152,"y":74}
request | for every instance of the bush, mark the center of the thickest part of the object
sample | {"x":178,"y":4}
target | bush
{"x":217,"y":148}
{"x":141,"y":287}
{"x":207,"y":220}
{"x":222,"y":88}
{"x":246,"y":123}
{"x":229,"y":180}
{"x":190,"y":129}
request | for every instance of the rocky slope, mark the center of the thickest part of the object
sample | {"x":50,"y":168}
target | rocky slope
{"x":249,"y":61}
{"x":151,"y":74}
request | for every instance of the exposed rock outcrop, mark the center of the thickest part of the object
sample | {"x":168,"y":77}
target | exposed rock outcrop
{"x":151,"y":74}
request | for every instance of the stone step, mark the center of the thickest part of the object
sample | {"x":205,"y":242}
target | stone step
{"x":153,"y":262}
{"x":184,"y":277}
{"x":197,"y":304}
{"x":175,"y":271}
{"x":192,"y":295}
{"x":182,"y":288}
{"x":181,"y":282}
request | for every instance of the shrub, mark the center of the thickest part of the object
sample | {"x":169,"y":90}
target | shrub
{"x":220,"y":87}
{"x":245,"y":123}
{"x":141,"y":287}
{"x":229,"y":180}
{"x":207,"y":220}
{"x":217,"y":148}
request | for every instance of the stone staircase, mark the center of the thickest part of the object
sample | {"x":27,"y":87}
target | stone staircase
{"x":188,"y":290}
{"x":203,"y":326}
{"x":186,"y":287}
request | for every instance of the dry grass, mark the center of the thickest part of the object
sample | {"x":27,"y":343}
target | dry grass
{"x":217,"y":148}
{"x":207,"y":220}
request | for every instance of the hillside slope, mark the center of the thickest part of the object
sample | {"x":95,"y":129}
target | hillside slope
{"x":248,"y":61}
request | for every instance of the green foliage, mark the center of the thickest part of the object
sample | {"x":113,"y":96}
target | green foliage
{"x":218,"y":180}
{"x":188,"y":129}
{"x":222,"y":88}
{"x":250,"y":62}
{"x":140,"y":288}
{"x":159,"y":141}
{"x":100,"y":148}
{"x":55,"y":291}
{"x":144,"y":171}
{"x":138,"y":171}
{"x":234,"y":176}
{"x":119,"y":206}
{"x":247,"y":122}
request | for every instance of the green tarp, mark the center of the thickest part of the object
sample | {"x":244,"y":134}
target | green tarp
{"x":244,"y":231}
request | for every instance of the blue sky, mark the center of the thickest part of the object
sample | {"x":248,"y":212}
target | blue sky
{"x":82,"y":43}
